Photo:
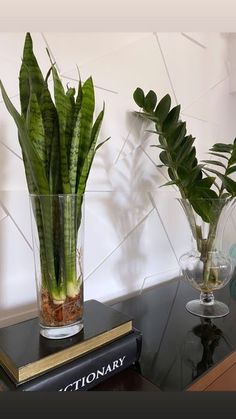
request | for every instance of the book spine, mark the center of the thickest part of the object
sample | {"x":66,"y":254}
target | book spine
{"x":91,"y":369}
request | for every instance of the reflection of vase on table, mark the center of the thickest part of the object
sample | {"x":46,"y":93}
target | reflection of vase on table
{"x":204,"y":345}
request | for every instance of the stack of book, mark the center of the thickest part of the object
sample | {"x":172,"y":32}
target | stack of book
{"x":107,"y":345}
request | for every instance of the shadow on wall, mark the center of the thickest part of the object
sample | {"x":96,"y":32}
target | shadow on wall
{"x":123,"y":213}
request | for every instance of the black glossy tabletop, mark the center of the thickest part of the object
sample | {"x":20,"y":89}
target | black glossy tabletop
{"x":177,"y":346}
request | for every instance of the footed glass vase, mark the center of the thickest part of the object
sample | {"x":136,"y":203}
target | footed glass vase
{"x":57,"y":231}
{"x":207,"y":267}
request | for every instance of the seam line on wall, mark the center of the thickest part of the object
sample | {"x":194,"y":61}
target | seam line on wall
{"x":164,"y":228}
{"x":96,"y":86}
{"x":3,"y":218}
{"x":194,"y":117}
{"x":166,"y":67}
{"x":120,"y":244}
{"x":12,"y":151}
{"x":50,"y":52}
{"x":16,"y":225}
{"x":194,"y":41}
{"x":205,"y":93}
{"x":157,"y":168}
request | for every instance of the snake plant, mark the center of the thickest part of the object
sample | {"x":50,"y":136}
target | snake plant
{"x":200,"y":191}
{"x":58,"y":138}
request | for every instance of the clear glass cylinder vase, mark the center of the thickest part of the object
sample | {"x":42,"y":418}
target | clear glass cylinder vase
{"x":58,"y":233}
{"x":207,"y":266}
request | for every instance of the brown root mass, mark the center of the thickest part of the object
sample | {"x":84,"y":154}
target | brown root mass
{"x":60,"y":314}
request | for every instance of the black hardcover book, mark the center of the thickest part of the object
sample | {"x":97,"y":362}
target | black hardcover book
{"x":85,"y":372}
{"x":25,"y":354}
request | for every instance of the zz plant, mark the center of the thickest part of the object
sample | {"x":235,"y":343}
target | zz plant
{"x":58,"y":138}
{"x":202,"y":186}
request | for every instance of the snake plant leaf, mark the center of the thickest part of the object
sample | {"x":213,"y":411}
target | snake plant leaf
{"x":150,"y":101}
{"x":31,"y":79}
{"x":139,"y":97}
{"x":74,"y":154}
{"x":36,"y":167}
{"x":30,"y":183}
{"x":78,"y":101}
{"x":86,"y":122}
{"x":62,"y":106}
{"x":101,"y":144}
{"x":70,"y":119}
{"x":81,"y":139}
{"x":163,"y":108}
{"x":75,"y":139}
{"x":46,"y":128}
{"x":29,"y":68}
{"x":91,"y":153}
{"x":50,"y":123}
{"x":35,"y":128}
{"x":55,"y":166}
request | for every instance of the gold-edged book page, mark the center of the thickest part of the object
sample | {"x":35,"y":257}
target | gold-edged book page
{"x":59,"y":358}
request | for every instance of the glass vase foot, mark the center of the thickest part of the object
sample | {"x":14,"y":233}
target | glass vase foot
{"x":212,"y":311}
{"x":61,"y":332}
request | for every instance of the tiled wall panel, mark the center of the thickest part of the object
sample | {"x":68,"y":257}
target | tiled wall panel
{"x":140,"y":235}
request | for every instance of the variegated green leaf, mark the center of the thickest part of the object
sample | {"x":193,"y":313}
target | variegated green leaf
{"x":50,"y":123}
{"x":62,"y":106}
{"x":36,"y":167}
{"x":35,"y":128}
{"x":81,"y":145}
{"x":90,"y":155}
{"x":29,"y":70}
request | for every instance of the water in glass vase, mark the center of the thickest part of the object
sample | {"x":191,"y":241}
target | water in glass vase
{"x":207,"y":267}
{"x":57,"y":226}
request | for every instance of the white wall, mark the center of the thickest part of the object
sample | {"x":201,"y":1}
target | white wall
{"x":131,"y":241}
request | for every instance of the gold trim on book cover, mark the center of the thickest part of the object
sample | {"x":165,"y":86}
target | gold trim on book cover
{"x":63,"y":356}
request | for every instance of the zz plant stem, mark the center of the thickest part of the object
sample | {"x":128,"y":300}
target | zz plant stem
{"x":201,"y":193}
